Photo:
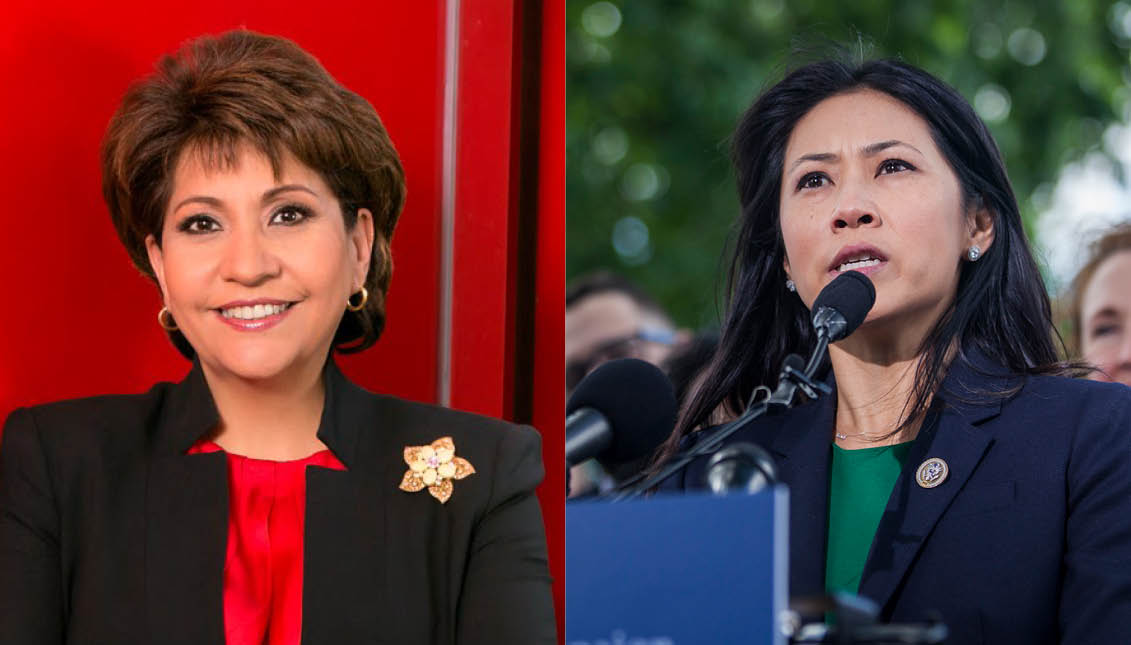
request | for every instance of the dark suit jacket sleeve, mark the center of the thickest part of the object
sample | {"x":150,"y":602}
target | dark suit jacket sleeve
{"x":1095,"y":602}
{"x":30,"y":586}
{"x":506,"y":592}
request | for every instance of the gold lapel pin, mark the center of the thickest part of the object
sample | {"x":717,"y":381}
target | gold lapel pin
{"x":932,"y":472}
{"x":434,"y":467}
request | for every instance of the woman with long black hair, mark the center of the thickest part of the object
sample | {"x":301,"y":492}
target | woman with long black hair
{"x":955,"y":467}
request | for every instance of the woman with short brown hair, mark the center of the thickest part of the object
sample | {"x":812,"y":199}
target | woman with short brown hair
{"x":265,"y":498}
{"x":266,"y":92}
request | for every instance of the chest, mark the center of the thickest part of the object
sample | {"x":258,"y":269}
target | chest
{"x":144,"y":548}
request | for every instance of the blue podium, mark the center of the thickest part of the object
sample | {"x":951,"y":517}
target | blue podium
{"x":676,"y":570}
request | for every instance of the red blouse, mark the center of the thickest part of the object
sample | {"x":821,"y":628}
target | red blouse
{"x":263,"y":566}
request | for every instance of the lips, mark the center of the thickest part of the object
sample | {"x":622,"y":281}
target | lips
{"x":858,"y":257}
{"x":254,"y":315}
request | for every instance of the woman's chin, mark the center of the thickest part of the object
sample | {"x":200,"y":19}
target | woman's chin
{"x":880,"y":327}
{"x":256,"y":363}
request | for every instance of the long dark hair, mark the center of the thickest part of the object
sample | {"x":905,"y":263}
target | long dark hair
{"x":1001,"y":307}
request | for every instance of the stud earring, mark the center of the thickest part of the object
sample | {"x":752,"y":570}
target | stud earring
{"x":973,"y":253}
{"x":789,"y":285}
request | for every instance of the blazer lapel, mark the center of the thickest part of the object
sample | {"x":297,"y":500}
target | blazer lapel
{"x":343,"y":578}
{"x":912,"y":510}
{"x":185,"y":548}
{"x":186,"y":521}
{"x":802,"y":446}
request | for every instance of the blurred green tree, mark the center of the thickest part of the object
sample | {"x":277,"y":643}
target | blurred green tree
{"x":654,"y":88}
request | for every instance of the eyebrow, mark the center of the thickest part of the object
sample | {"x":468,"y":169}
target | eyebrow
{"x":198,"y":199}
{"x":870,"y":150}
{"x":267,"y":196}
{"x":276,"y":191}
{"x":1106,"y":312}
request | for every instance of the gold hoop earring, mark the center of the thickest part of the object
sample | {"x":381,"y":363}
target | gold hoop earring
{"x":360,"y":305}
{"x":161,"y":320}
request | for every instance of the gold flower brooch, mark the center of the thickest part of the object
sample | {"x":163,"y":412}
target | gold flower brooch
{"x":434,"y":467}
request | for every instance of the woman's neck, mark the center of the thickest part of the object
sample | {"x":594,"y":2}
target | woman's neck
{"x":874,"y":383}
{"x":276,"y":420}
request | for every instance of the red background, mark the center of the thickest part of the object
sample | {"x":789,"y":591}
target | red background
{"x":79,"y":320}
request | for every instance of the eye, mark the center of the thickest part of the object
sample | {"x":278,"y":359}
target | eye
{"x":1104,"y":330}
{"x":892,"y":166}
{"x":198,"y":224}
{"x":290,"y":215}
{"x":813,"y":180}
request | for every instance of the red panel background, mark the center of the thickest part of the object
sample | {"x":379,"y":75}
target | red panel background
{"x":489,"y":268}
{"x":549,"y":305}
{"x":485,"y":147}
{"x":78,"y":320}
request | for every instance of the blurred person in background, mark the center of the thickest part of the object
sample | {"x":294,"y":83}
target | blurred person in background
{"x":1101,"y":307}
{"x":609,"y":317}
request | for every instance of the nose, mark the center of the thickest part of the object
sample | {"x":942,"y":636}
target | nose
{"x":248,"y":258}
{"x":854,"y":208}
{"x":854,"y":219}
{"x":1123,"y":359}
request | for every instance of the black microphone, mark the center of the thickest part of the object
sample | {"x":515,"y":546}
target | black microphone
{"x":839,"y":309}
{"x":620,"y":412}
{"x":843,"y":305}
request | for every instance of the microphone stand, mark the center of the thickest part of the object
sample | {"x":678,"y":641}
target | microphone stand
{"x":789,"y":381}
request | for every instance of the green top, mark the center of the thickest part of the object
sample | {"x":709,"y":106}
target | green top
{"x":859,"y":489}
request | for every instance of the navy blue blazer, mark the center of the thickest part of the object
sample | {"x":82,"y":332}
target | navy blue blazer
{"x":111,"y":533}
{"x":1028,"y":540}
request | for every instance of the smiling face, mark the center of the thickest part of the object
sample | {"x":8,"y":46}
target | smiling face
{"x":1105,"y":315}
{"x":865,"y":188}
{"x":256,"y":269}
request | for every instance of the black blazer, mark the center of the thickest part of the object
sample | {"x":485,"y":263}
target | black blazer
{"x":1027,"y":540}
{"x":110,"y":533}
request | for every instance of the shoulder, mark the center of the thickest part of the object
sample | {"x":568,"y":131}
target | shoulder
{"x":422,"y":421}
{"x":106,"y":406}
{"x":77,"y":442}
{"x":1098,"y":415}
{"x":422,"y":417}
{"x":1073,"y":401}
{"x":72,"y":425}
{"x":1067,"y":387}
{"x":1082,"y":426}
{"x":491,"y":445}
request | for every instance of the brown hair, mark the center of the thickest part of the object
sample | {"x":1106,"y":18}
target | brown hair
{"x":1115,"y":240}
{"x":218,"y":92}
